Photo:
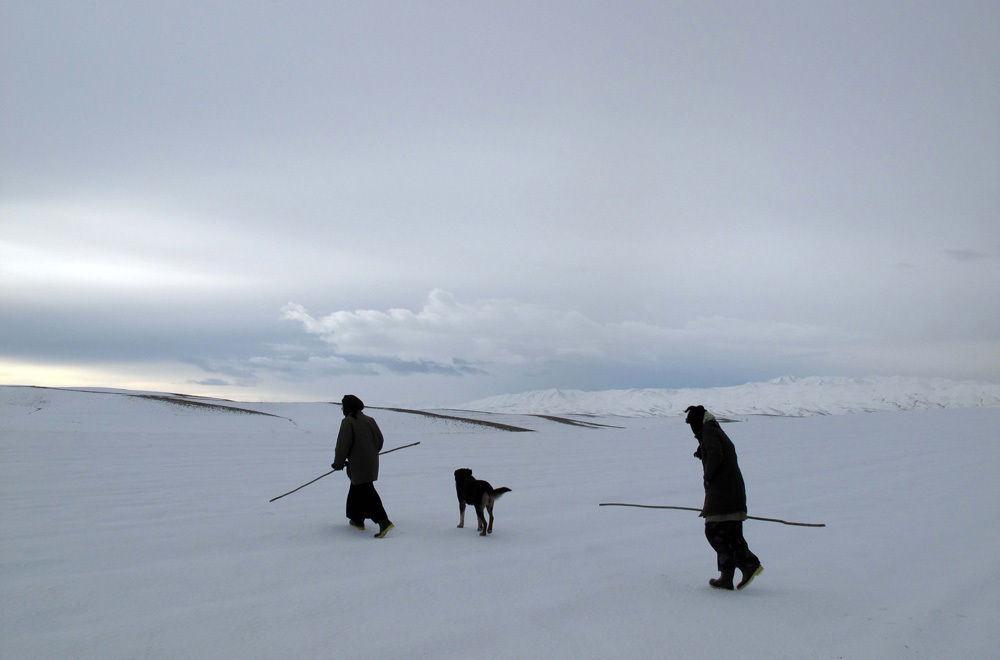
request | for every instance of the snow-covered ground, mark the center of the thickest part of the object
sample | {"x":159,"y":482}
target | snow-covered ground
{"x":789,"y":397}
{"x":141,"y":528}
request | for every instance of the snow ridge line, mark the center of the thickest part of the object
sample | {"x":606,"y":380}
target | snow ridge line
{"x":203,"y":405}
{"x":478,"y":422}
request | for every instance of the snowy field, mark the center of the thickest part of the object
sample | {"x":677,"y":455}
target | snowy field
{"x":140,"y":528}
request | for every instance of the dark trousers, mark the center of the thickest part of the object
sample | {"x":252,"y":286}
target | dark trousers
{"x":363,"y":502}
{"x":727,"y":540}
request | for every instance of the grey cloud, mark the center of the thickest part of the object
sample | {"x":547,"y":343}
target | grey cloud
{"x":402,"y":367}
{"x":967,"y":255}
{"x":300,"y":368}
{"x":451,"y":336}
{"x":213,"y":382}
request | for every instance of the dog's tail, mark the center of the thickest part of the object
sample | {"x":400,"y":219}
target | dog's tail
{"x":497,"y":492}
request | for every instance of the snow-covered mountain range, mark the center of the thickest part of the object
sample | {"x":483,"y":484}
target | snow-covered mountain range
{"x":787,"y":397}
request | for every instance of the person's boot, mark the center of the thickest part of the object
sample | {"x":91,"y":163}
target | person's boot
{"x":357,"y":525}
{"x":749,"y":573}
{"x":383,"y":529}
{"x":724,"y":581}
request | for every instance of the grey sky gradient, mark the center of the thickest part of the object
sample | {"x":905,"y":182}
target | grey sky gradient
{"x":432,"y":202}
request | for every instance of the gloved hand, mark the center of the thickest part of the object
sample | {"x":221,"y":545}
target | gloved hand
{"x":334,"y":466}
{"x":697,"y":453}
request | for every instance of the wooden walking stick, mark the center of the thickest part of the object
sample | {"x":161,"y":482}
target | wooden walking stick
{"x":304,"y":485}
{"x":688,"y":508}
{"x":387,"y":451}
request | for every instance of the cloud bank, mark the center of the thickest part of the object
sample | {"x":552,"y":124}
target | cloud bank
{"x":451,"y":336}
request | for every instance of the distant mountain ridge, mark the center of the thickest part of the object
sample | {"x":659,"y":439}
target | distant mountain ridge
{"x":787,"y":397}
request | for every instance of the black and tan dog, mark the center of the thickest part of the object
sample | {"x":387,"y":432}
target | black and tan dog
{"x":479,"y":494}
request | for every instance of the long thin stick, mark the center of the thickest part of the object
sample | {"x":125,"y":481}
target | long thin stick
{"x":304,"y":485}
{"x":688,"y":508}
{"x":387,"y":451}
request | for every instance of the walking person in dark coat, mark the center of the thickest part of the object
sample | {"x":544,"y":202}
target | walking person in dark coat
{"x":725,"y":506}
{"x":358,"y":445}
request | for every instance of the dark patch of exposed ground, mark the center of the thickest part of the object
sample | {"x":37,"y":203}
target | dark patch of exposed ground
{"x":466,"y":420}
{"x":175,"y":399}
{"x":504,"y":427}
{"x":576,"y":422}
{"x":201,"y":404}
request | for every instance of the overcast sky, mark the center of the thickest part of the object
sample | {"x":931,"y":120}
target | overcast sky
{"x":424,"y":203}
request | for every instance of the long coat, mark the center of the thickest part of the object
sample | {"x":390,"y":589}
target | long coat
{"x":358,"y":444}
{"x":725,"y":492}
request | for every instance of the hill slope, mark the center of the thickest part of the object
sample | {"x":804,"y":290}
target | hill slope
{"x":786,"y":397}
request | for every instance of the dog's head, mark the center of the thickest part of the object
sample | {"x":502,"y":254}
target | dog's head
{"x":462,"y":473}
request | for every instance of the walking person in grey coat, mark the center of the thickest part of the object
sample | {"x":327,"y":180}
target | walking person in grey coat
{"x":358,"y":445}
{"x":725,"y":506}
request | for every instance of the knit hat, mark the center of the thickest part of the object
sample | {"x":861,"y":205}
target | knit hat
{"x":351,"y":404}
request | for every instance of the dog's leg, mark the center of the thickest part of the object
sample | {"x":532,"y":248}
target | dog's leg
{"x":461,"y":513}
{"x":489,"y":508}
{"x":481,"y":518}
